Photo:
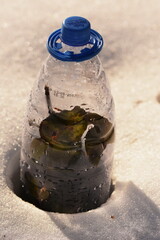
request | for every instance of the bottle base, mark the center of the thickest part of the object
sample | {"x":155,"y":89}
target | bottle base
{"x":81,"y":202}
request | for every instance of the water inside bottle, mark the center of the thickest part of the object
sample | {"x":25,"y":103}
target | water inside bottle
{"x":68,"y":168}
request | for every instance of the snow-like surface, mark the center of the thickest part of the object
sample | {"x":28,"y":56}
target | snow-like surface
{"x":131,"y":57}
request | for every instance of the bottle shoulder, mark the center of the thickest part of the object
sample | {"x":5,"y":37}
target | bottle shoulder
{"x":90,"y":69}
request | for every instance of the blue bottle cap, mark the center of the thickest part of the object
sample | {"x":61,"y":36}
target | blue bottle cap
{"x":75,"y":32}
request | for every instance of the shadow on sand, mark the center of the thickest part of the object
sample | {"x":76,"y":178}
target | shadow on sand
{"x":12,"y":170}
{"x":128,"y":214}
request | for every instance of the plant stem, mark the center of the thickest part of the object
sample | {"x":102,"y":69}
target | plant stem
{"x":48,"y":99}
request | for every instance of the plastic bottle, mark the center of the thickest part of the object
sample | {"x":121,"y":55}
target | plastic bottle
{"x":67,"y":143}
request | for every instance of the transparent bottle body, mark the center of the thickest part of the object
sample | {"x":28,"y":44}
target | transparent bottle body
{"x":71,"y":172}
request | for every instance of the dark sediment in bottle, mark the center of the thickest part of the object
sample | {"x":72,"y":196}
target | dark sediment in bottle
{"x":68,"y":169}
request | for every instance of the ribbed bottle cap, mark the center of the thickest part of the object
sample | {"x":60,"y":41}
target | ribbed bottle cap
{"x":75,"y":31}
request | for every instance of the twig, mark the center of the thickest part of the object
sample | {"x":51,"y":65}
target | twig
{"x":48,"y":99}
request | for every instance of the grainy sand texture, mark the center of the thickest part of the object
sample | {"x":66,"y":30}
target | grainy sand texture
{"x":131,"y":59}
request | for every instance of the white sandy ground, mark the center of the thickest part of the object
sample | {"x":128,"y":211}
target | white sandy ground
{"x":131,"y":58}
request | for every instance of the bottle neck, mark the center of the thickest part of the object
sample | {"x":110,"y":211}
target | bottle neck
{"x":75,"y":49}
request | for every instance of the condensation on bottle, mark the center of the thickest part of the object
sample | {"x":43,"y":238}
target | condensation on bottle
{"x":67,"y":143}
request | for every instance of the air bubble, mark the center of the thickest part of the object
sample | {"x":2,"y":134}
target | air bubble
{"x":22,"y":163}
{"x":27,"y":166}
